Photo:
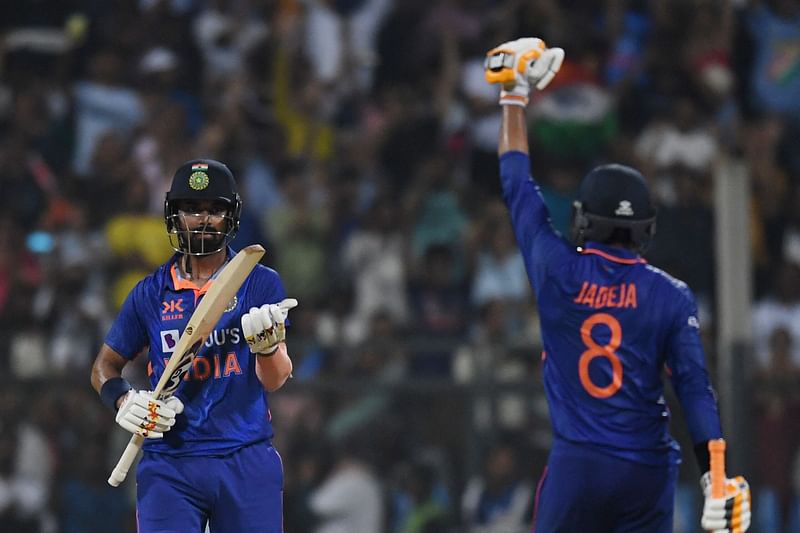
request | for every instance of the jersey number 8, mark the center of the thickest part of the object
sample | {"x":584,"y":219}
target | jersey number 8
{"x":595,"y":350}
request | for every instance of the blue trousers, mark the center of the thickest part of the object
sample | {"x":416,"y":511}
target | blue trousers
{"x":585,"y":491}
{"x":239,"y":492}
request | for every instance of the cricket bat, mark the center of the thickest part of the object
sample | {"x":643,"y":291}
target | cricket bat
{"x":716,"y":450}
{"x":200,"y":325}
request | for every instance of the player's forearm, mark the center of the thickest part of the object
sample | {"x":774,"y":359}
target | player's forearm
{"x":513,"y":131}
{"x":107,"y":378}
{"x":107,"y":365}
{"x":273,"y":371}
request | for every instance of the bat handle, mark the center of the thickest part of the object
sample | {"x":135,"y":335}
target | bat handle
{"x":716,"y":450}
{"x":125,"y":461}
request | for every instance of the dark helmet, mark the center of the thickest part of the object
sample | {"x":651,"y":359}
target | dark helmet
{"x":202,"y":179}
{"x":614,"y":204}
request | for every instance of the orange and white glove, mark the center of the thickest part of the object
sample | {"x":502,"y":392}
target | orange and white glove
{"x":264,"y":327}
{"x":518,"y":65}
{"x":143,"y":415}
{"x":729,"y":514}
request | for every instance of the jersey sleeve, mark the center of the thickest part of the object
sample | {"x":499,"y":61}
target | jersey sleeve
{"x":266,"y":287}
{"x":128,"y":333}
{"x":689,"y":376}
{"x":542,"y":247}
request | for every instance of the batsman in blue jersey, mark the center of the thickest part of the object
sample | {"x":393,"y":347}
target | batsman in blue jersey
{"x":208,"y":457}
{"x":611,"y":326}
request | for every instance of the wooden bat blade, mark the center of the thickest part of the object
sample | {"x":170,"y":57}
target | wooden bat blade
{"x":205,"y":317}
{"x":200,"y":326}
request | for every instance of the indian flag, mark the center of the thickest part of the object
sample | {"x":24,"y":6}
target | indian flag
{"x":200,"y":166}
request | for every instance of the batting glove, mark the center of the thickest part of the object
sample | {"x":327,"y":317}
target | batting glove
{"x":264,"y":327}
{"x":730,"y":514}
{"x":143,"y":415}
{"x":518,"y":65}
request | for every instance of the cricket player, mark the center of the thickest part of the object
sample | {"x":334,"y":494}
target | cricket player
{"x":611,"y":324}
{"x":208,"y":457}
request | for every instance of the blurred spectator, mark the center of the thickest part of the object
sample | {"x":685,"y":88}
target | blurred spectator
{"x":73,"y":297}
{"x":499,"y":267}
{"x":774,"y":27}
{"x":225,"y":32}
{"x":501,"y":498}
{"x":380,"y":358}
{"x":678,"y":143}
{"x":439,"y":305}
{"x":137,"y":242}
{"x":25,"y":467}
{"x":422,"y":512}
{"x":488,"y":360}
{"x":350,"y":498}
{"x":103,"y":103}
{"x":299,"y":230}
{"x":340,"y":42}
{"x":777,"y":390}
{"x":779,"y":309}
{"x":435,"y":207}
{"x":22,"y":197}
{"x":683,"y":245}
{"x":771,"y":187}
{"x":303,"y":474}
{"x":375,"y":257}
{"x":86,"y":490}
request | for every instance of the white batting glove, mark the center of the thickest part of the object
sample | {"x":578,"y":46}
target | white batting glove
{"x":142,"y":415}
{"x":730,"y":514}
{"x":517,"y":65}
{"x":264,"y":327}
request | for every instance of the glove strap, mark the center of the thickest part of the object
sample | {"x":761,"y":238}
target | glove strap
{"x":270,"y":353}
{"x":509,"y":98}
{"x":112,"y":389}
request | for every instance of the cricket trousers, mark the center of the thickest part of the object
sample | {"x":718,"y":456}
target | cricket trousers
{"x":583,"y":490}
{"x":234,"y":493}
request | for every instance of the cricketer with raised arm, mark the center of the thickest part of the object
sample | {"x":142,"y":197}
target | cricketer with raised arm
{"x":208,"y":457}
{"x":611,"y":325}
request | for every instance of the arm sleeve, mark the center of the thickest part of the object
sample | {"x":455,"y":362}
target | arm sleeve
{"x":539,"y":243}
{"x":128,"y":333}
{"x":686,"y":363}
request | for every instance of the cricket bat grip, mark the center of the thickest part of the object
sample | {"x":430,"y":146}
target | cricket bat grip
{"x":716,"y":450}
{"x":126,"y":460}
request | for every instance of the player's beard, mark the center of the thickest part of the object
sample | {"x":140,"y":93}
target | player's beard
{"x":205,"y":240}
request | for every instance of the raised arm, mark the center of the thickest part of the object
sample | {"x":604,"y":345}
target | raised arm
{"x":513,"y":131}
{"x":518,"y":67}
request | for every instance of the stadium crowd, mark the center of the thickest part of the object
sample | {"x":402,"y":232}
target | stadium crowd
{"x":363,"y":138}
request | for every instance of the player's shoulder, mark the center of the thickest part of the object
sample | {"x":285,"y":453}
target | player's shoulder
{"x":676,"y":287}
{"x":265,"y":273}
{"x":156,"y":279}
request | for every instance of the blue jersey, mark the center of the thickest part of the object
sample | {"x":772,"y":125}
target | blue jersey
{"x":225,"y":403}
{"x":611,"y":325}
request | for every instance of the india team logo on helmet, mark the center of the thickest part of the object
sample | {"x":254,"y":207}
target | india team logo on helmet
{"x":198,"y":180}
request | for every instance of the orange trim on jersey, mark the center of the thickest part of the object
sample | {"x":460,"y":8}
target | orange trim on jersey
{"x":544,"y":355}
{"x":180,"y":283}
{"x":616,"y":259}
